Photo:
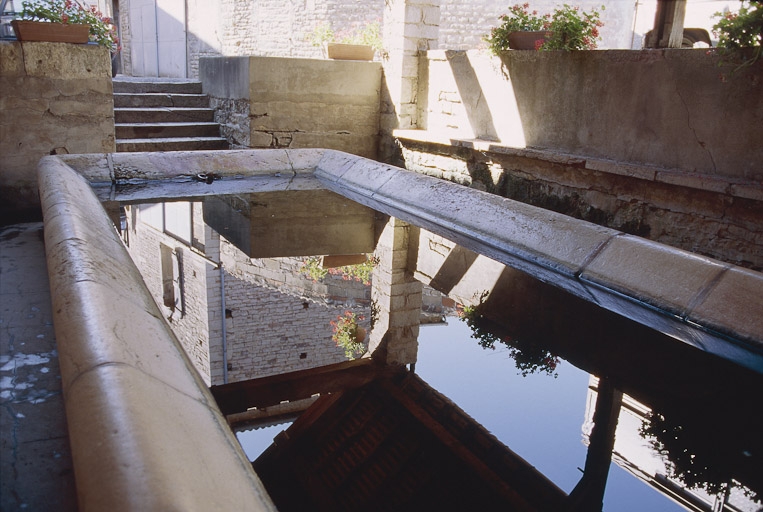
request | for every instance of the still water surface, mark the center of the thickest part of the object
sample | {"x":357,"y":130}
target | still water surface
{"x":709,"y":408}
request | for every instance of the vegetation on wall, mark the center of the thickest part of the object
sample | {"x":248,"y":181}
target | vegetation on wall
{"x":739,"y":32}
{"x":102,"y":30}
{"x":313,"y":268}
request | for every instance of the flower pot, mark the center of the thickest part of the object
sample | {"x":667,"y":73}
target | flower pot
{"x":527,"y":40}
{"x":360,"y":334}
{"x":51,"y":32}
{"x":341,"y":51}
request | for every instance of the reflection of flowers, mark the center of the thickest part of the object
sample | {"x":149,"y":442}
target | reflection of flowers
{"x":529,"y":357}
{"x":361,"y":272}
{"x":348,"y":335}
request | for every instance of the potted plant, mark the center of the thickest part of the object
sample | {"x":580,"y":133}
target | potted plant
{"x":354,"y":45}
{"x":520,"y":29}
{"x":567,"y":28}
{"x":64,"y":21}
{"x":348,"y":335}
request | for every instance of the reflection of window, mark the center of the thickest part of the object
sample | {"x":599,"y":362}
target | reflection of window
{"x":175,"y":219}
{"x":171,"y":266}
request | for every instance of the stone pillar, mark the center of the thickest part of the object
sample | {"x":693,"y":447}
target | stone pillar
{"x":410,"y":27}
{"x":396,"y":297}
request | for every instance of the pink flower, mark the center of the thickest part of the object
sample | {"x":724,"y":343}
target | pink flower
{"x":539,"y":44}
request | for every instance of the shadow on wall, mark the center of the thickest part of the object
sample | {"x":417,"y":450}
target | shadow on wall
{"x":472,"y":96}
{"x":665,"y":108}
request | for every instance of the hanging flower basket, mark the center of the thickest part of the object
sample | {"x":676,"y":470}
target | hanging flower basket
{"x":52,"y":32}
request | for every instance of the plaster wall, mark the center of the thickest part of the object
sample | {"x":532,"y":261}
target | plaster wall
{"x":296,"y":103}
{"x":56,"y":99}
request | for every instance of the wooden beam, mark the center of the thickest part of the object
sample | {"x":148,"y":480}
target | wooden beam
{"x":668,"y":30}
{"x":237,"y":397}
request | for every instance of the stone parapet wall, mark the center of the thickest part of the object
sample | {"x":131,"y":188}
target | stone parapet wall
{"x":662,"y":108}
{"x":56,"y":99}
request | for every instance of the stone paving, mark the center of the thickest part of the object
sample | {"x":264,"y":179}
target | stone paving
{"x":35,"y":460}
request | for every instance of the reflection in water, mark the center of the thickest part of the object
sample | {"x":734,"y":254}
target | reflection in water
{"x":247,"y":284}
{"x":529,"y":357}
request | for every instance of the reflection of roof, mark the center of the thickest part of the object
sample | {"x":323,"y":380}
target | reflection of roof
{"x":395,"y":443}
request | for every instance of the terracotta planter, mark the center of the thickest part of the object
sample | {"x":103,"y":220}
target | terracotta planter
{"x":527,"y":40}
{"x":340,"y":51}
{"x":51,"y":32}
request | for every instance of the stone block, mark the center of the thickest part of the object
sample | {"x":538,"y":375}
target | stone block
{"x":652,"y":273}
{"x":727,"y":307}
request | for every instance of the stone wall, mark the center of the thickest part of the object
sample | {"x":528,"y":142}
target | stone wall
{"x":266,"y":102}
{"x":700,"y":214}
{"x":56,"y":99}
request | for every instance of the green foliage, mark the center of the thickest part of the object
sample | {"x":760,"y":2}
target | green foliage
{"x":346,"y":334}
{"x":573,"y":29}
{"x":102,"y":30}
{"x":738,"y":31}
{"x":312,"y":268}
{"x":529,"y":357}
{"x":702,"y":450}
{"x":569,"y":27}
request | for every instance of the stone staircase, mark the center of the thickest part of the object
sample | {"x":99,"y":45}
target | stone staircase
{"x":163,"y":114}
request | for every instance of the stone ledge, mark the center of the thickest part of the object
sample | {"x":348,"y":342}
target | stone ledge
{"x":732,"y":187}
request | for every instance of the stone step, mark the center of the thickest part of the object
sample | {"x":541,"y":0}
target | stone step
{"x":138,"y":85}
{"x":160,"y":99}
{"x":163,"y":115}
{"x":165,"y":130}
{"x":171,"y":144}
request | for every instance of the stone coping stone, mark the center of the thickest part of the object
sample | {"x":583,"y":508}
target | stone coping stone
{"x":145,"y":432}
{"x":115,"y":381}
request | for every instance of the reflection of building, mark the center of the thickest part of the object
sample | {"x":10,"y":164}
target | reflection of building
{"x":270,"y":318}
{"x":636,"y":455}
